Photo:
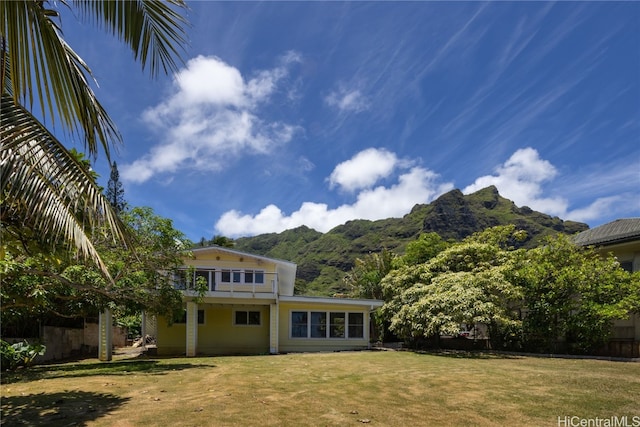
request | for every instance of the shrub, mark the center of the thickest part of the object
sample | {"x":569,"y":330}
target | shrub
{"x":19,"y":354}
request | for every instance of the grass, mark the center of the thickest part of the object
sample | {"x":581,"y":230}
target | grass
{"x":351,"y":388}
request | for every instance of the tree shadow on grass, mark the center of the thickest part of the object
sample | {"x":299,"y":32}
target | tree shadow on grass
{"x":75,"y":370}
{"x":463,"y":354}
{"x":57,"y":409}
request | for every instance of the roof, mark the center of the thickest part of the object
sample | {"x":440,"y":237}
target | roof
{"x":618,"y":231}
{"x":233,"y":251}
{"x":372,"y":303}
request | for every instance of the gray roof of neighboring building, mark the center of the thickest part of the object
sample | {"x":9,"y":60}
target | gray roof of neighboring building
{"x":618,"y":231}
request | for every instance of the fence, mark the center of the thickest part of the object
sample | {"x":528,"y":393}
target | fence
{"x":64,"y":343}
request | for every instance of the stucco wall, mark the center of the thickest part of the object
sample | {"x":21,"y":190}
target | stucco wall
{"x":91,"y":332}
{"x":62,"y":343}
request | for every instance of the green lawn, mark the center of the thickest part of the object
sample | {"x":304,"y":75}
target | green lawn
{"x":378,"y":388}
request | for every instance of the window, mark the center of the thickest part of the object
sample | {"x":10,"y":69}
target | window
{"x":243,"y":317}
{"x":337,"y":325}
{"x":318,"y":324}
{"x":208,"y":278}
{"x":627,"y":266}
{"x":242,"y":276}
{"x":182,"y":318}
{"x":236,"y":276}
{"x":356,"y":325}
{"x":226,"y":276}
{"x":323,"y":324}
{"x":254,"y":276}
{"x":186,"y":278}
{"x":258,"y":277}
{"x":299,"y":324}
{"x":180,"y":280}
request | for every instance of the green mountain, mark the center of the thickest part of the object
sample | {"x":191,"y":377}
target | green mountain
{"x":324,"y":258}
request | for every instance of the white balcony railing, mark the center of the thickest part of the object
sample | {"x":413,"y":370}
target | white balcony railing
{"x":228,"y":280}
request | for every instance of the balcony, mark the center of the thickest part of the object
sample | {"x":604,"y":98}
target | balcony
{"x":228,"y":283}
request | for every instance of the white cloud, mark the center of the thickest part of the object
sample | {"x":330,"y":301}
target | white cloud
{"x":520,"y":179}
{"x":595,"y":209}
{"x":363,"y":170}
{"x":212,"y":117}
{"x":208,"y":80}
{"x":417,"y":185}
{"x":347,"y":100}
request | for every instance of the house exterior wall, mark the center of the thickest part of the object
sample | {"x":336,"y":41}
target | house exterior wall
{"x":626,"y":252}
{"x":627,"y":329}
{"x":287,"y":343}
{"x":171,"y":339}
{"x":276,"y":271}
{"x":222,"y":308}
{"x":219,"y":334}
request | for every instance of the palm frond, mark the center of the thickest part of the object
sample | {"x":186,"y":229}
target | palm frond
{"x":44,"y":69}
{"x":153,"y":29}
{"x":47,"y":188}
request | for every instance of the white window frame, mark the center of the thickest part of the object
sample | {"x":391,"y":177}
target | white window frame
{"x":226,"y":271}
{"x":200,"y":310}
{"x":233,"y":320}
{"x":190,"y":281}
{"x":241,"y":276}
{"x":308,"y":324}
{"x":327,"y":324}
{"x":211,"y":276}
{"x":254,"y":273}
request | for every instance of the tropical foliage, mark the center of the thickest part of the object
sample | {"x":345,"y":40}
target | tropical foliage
{"x":365,"y":277}
{"x":465,"y":284}
{"x":19,"y":354}
{"x":36,"y":284}
{"x":557,"y":297}
{"x":421,"y":250}
{"x":42,"y":186}
{"x":572,"y":295}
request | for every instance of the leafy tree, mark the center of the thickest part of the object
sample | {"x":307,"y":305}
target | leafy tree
{"x":42,"y":186}
{"x":365,"y":281}
{"x":572,"y":295}
{"x":531,"y":299}
{"x":366,"y":276}
{"x":424,"y":248}
{"x":467,"y":283}
{"x":453,"y":299}
{"x":36,"y":283}
{"x":115,"y":190}
{"x":223,"y":241}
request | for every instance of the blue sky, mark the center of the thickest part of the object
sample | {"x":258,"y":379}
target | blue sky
{"x":316,"y":113}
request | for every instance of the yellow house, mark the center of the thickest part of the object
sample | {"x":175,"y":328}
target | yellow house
{"x":621,"y":238}
{"x":249,"y":308}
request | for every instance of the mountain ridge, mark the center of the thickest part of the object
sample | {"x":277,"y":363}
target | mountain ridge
{"x":324,"y":258}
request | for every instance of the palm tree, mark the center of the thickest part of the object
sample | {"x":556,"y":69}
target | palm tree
{"x":42,"y":185}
